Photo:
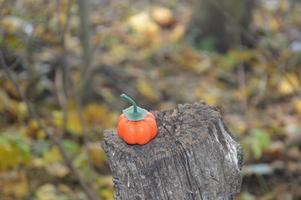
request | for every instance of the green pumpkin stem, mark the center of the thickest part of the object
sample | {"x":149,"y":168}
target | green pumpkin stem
{"x":133,"y":113}
{"x":130,"y":100}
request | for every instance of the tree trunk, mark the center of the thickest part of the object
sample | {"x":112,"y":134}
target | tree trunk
{"x":221,"y":24}
{"x":193,"y":157}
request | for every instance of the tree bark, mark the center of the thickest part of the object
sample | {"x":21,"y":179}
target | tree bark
{"x":221,"y":23}
{"x":193,"y":157}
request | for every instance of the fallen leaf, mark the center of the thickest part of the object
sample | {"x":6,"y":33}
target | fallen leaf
{"x":147,"y":31}
{"x":289,"y":84}
{"x":57,"y":169}
{"x":147,"y":89}
{"x":46,"y":192}
{"x":96,"y":154}
{"x":177,"y":33}
{"x":14,"y":183}
{"x":163,"y":16}
{"x":142,"y":22}
{"x":297,"y":105}
{"x":52,"y":156}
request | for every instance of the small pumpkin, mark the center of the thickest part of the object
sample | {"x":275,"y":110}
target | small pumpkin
{"x":136,"y":125}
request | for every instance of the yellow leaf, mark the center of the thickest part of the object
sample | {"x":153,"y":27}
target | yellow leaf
{"x":21,"y":187}
{"x":37,"y":162}
{"x":147,"y":31}
{"x":96,"y":154}
{"x":177,"y":33}
{"x":9,"y":105}
{"x":96,"y":114}
{"x":57,"y":169}
{"x":297,"y":105}
{"x":64,"y":188}
{"x":285,"y":87}
{"x":293,"y":79}
{"x":41,"y":134}
{"x":289,"y":84}
{"x":147,"y":89}
{"x":142,"y":22}
{"x":57,"y":118}
{"x":12,"y":24}
{"x":22,"y":110}
{"x":163,"y":16}
{"x":211,"y":99}
{"x":46,"y":192}
{"x":72,"y":43}
{"x":188,"y":58}
{"x":93,"y":115}
{"x":119,"y":52}
{"x":52,"y":156}
{"x":12,"y":153}
{"x":5,"y":101}
{"x":274,"y":24}
{"x":63,"y":10}
{"x":14,"y":184}
{"x":33,"y":130}
{"x":74,"y":124}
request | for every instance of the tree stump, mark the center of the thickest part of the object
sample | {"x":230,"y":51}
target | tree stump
{"x":193,"y":157}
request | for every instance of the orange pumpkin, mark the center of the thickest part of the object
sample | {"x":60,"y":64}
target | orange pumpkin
{"x":136,"y":125}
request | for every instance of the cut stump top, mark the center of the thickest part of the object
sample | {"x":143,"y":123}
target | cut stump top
{"x":191,"y":137}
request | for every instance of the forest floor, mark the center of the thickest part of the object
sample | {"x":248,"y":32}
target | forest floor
{"x":139,"y":48}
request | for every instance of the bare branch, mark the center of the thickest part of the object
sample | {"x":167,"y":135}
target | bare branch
{"x":86,"y":66}
{"x":85,"y":42}
{"x":62,"y":79}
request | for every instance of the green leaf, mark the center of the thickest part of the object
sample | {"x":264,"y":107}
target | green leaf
{"x":262,"y":137}
{"x":22,"y":145}
{"x":207,"y":44}
{"x":230,"y":60}
{"x":256,"y":149}
{"x":15,"y":149}
{"x":247,"y":196}
{"x":70,"y":146}
{"x":2,"y":140}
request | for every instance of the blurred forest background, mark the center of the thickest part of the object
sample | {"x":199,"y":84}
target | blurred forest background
{"x":64,"y":63}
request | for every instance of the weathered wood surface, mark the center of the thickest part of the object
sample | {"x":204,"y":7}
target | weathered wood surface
{"x":193,"y":157}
